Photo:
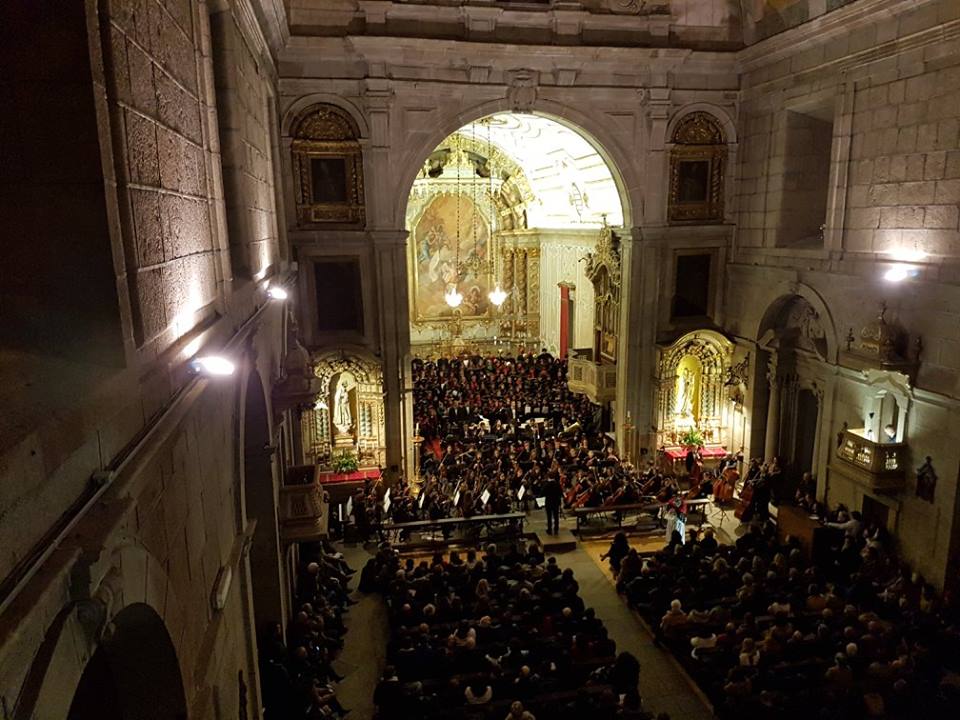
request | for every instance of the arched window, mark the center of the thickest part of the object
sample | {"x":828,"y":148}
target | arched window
{"x":696,"y":170}
{"x":328,"y":167}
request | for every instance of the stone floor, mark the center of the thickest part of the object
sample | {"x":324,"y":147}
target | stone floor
{"x":664,"y":686}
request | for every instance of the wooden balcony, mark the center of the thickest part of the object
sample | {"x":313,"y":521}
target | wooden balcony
{"x":597,"y":381}
{"x":881,"y":467}
{"x":303,"y":508}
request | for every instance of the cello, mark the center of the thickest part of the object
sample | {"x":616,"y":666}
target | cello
{"x":746,"y":497}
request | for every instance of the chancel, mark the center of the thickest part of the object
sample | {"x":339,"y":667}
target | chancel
{"x":479,"y":359}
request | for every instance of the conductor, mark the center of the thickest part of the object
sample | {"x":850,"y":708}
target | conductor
{"x":553,"y":496}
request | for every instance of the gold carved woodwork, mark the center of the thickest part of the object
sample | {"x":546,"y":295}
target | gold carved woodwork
{"x":697,"y":163}
{"x":325,"y":132}
{"x":603,"y":271}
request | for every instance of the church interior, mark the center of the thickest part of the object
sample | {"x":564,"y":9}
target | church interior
{"x":471,"y":359}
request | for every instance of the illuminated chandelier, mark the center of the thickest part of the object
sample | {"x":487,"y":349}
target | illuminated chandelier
{"x":453,"y":297}
{"x":497,"y":296}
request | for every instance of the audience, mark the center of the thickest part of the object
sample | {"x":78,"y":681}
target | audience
{"x":297,"y":676}
{"x":502,"y":635}
{"x":765,"y":632}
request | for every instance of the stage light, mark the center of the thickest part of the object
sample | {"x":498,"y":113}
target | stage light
{"x":277,"y":293}
{"x":213,"y":366}
{"x":898,"y":273}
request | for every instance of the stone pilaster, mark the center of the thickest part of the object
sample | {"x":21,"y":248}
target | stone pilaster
{"x":636,"y":353}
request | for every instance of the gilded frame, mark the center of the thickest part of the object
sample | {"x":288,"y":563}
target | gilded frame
{"x":325,"y":131}
{"x":697,"y":138}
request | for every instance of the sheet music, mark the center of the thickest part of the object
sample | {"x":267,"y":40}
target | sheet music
{"x":485,"y":496}
{"x":456,"y":498}
{"x":521,"y":492}
{"x":350,"y":506}
{"x":541,"y":502}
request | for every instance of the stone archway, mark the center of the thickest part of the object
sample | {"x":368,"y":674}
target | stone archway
{"x":134,"y":672}
{"x":795,"y":340}
{"x":260,"y":504}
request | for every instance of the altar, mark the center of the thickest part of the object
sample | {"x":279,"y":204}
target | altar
{"x":700,"y":391}
{"x":710,"y":454}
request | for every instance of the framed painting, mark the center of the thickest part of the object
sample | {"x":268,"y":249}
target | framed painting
{"x":438,"y":265}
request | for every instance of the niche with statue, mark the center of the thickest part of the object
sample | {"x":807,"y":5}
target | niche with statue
{"x":346,"y":425}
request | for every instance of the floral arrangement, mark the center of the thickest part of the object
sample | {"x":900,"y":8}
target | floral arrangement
{"x":344,"y":462}
{"x":692,"y":438}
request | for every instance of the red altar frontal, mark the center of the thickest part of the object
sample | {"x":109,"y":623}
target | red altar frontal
{"x":708,"y":453}
{"x":355,"y":476}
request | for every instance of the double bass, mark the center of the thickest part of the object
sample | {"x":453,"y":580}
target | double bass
{"x":725,"y":485}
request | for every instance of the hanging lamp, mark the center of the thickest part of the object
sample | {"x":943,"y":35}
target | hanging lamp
{"x":497,"y":296}
{"x":453,"y":297}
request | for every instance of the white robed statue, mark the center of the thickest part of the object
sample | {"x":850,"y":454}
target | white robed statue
{"x":342,"y":417}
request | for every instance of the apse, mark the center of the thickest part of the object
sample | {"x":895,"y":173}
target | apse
{"x":500,"y":216}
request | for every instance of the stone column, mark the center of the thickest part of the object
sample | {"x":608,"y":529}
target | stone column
{"x":394,"y":326}
{"x":773,"y":412}
{"x":390,"y":279}
{"x":636,"y":351}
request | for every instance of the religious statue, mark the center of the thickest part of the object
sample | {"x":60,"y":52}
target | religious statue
{"x":342,"y":417}
{"x":685,"y":383}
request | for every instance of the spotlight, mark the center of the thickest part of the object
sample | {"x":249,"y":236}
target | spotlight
{"x":213,"y":366}
{"x":277,"y":293}
{"x":898,"y":273}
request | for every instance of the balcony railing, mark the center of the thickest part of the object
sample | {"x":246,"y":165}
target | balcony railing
{"x":303,"y":508}
{"x":597,"y":381}
{"x":882,"y":466}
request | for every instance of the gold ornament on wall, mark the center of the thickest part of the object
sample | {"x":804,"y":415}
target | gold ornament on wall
{"x":696,"y":170}
{"x":327,"y":167}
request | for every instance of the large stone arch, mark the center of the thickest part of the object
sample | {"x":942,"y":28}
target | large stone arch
{"x":134,"y":672}
{"x":131,"y":577}
{"x":617,"y":158}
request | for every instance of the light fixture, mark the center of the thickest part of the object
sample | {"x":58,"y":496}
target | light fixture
{"x":213,"y":365}
{"x":277,"y":292}
{"x":897,"y":273}
{"x":453,"y":297}
{"x":497,"y":296}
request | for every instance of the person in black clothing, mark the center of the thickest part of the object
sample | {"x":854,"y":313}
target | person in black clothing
{"x":553,"y":495}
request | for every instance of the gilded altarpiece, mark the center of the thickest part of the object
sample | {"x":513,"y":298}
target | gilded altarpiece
{"x":603,"y":270}
{"x":698,"y":388}
{"x":349,"y":413}
{"x":467,"y":223}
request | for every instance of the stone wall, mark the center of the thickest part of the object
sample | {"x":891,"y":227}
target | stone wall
{"x":247,"y":121}
{"x":891,"y":83}
{"x":156,"y":453}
